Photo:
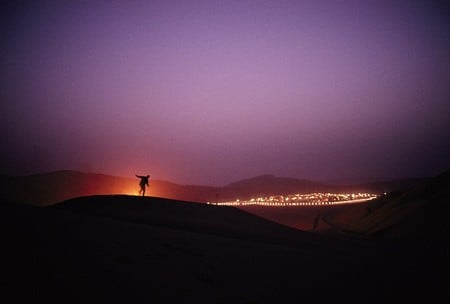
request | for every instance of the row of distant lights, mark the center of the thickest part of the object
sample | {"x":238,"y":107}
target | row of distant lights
{"x":290,"y":200}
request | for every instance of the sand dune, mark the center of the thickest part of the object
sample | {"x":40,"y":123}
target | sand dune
{"x":419,"y":212}
{"x":182,"y":215}
{"x":129,"y":249}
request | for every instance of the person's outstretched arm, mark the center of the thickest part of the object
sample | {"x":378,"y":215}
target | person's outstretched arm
{"x":139,"y":176}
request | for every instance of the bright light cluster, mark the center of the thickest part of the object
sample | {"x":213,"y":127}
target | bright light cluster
{"x":311,"y":199}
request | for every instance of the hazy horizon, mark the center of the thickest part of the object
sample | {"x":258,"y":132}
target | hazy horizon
{"x":208,"y":93}
{"x":331,"y":182}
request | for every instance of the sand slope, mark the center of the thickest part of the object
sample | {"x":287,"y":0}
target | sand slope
{"x":422,"y":211}
{"x":118,"y":249}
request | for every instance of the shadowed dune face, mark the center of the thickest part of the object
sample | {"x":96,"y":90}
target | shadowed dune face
{"x":127,"y":248}
{"x":310,"y":218}
{"x":190,"y":216}
{"x":421,"y":211}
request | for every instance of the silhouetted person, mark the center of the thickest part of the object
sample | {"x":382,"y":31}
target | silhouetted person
{"x":143,"y":183}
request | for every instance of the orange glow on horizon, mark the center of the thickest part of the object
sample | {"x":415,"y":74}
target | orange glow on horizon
{"x":129,"y":190}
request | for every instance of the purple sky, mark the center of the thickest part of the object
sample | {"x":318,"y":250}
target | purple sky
{"x":206,"y":92}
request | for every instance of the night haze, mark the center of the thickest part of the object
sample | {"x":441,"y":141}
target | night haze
{"x":206,"y":92}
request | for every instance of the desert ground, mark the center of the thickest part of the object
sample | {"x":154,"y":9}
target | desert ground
{"x":120,"y":248}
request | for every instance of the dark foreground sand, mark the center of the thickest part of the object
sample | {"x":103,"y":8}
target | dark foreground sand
{"x":125,"y":249}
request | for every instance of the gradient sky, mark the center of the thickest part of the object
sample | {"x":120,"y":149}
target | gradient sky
{"x":210,"y":92}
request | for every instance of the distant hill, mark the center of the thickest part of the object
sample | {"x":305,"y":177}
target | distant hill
{"x":50,"y":188}
{"x":266,"y":185}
